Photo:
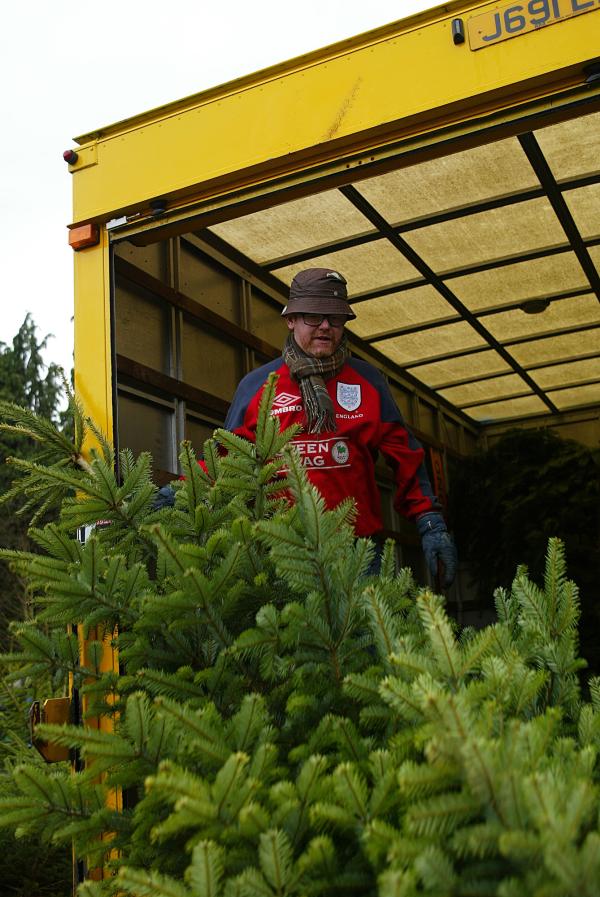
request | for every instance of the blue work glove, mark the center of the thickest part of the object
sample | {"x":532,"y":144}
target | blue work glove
{"x":438,"y":547}
{"x":165,"y":498}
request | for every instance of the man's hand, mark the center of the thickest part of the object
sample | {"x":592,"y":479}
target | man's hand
{"x":438,"y":547}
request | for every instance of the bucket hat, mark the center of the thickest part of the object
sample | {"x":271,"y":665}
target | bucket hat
{"x":320,"y":291}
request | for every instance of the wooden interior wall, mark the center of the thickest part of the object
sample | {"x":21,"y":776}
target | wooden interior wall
{"x":187,"y":329}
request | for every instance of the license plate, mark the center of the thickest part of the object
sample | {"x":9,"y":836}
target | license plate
{"x":519,"y":18}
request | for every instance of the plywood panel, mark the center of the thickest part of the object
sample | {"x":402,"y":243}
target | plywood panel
{"x":148,"y":344}
{"x":198,"y":431}
{"x":151,"y":258}
{"x":145,"y":427}
{"x":403,"y":400}
{"x":450,"y":433}
{"x":210,"y":362}
{"x":427,"y":419}
{"x":209,"y":284}
{"x":266,"y":321}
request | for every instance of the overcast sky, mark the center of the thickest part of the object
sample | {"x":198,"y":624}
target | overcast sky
{"x":67,"y":68}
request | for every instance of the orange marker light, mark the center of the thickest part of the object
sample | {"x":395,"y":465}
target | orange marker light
{"x":84,"y":235}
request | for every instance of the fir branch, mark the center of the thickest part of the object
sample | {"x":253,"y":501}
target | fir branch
{"x":275,"y":856}
{"x":205,"y":872}
{"x":150,"y":884}
{"x":440,"y":816}
{"x":382,"y":623}
{"x":440,"y":634}
{"x":204,"y":725}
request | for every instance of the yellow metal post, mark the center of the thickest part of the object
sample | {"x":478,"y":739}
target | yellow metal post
{"x":93,"y":387}
{"x":93,"y":366}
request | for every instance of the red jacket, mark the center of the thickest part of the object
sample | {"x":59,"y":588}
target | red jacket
{"x":343,"y":463}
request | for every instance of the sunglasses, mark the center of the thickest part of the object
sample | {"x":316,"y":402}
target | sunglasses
{"x":316,"y":320}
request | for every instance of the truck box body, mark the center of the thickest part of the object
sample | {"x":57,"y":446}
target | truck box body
{"x":447,"y":164}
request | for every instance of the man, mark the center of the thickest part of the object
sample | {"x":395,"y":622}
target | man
{"x":348,"y":416}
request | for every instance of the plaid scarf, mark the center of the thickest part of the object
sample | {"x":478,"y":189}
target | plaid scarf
{"x":311,"y":374}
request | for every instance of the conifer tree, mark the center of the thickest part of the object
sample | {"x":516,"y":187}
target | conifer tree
{"x":27,"y":381}
{"x":285,"y":723}
{"x":29,"y":866}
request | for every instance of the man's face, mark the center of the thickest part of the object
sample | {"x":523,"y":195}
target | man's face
{"x":320,"y":341}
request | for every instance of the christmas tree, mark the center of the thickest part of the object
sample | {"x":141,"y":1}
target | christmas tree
{"x":286,"y":723}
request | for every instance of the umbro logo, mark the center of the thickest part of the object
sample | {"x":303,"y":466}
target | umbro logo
{"x":284,"y":398}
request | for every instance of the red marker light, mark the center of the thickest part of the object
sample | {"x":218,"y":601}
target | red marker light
{"x":70,"y":156}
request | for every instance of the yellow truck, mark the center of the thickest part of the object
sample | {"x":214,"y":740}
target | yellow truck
{"x":448,"y":164}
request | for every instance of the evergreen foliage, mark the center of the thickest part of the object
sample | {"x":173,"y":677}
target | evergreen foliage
{"x":285,"y":723}
{"x":28,"y":866}
{"x":27,"y":382}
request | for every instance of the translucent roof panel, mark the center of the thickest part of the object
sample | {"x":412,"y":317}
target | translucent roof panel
{"x":584,"y":205}
{"x":524,"y":407}
{"x":417,"y":306}
{"x":557,"y":144}
{"x":293,"y":226}
{"x":493,"y":234}
{"x":485,"y":390}
{"x":463,"y":367}
{"x":578,"y":396}
{"x":563,"y":374}
{"x":470,"y":216}
{"x":481,"y":173}
{"x":430,"y":343}
{"x":367,"y":267}
{"x":559,"y":315}
{"x":555,"y":348}
{"x":526,"y":280}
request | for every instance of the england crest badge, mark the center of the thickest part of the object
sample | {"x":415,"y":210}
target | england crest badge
{"x":349,"y":396}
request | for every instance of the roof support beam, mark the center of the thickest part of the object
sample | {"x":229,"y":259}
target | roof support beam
{"x":359,"y":202}
{"x":455,"y":319}
{"x":503,"y":262}
{"x":447,"y":356}
{"x":540,"y":166}
{"x":465,"y":381}
{"x":523,"y":395}
{"x":465,"y":211}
